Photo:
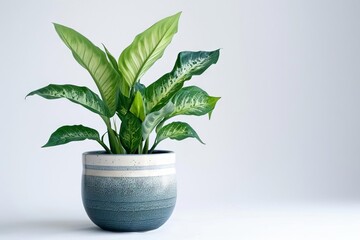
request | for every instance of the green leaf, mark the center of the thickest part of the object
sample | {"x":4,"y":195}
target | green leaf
{"x":124,"y":103}
{"x":154,"y":118}
{"x":68,"y":134}
{"x":93,"y":59}
{"x":147,"y":48}
{"x":187,"y":65}
{"x":177,"y":131}
{"x":111,"y":59}
{"x":140,"y":87}
{"x":123,"y":106}
{"x":137,"y":106}
{"x":130,"y":133}
{"x":76,"y":94}
{"x":192,"y":101}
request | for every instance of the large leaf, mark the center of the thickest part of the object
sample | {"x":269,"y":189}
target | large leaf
{"x":130,"y":133}
{"x":76,"y":94}
{"x":192,"y":101}
{"x":155,"y":118}
{"x":68,"y":134}
{"x":111,"y":59}
{"x":177,"y":131}
{"x":137,"y":106}
{"x":187,"y":65}
{"x":94,"y":60}
{"x":146,"y":48}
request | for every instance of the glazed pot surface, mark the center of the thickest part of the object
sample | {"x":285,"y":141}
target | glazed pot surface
{"x":132,"y":192}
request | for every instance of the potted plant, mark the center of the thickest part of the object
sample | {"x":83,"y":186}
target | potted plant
{"x":131,"y":186}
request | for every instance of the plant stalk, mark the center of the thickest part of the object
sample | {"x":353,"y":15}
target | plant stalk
{"x":146,"y":147}
{"x":153,"y":147}
{"x":114,"y":140}
{"x":160,"y":125}
{"x":104,"y":146}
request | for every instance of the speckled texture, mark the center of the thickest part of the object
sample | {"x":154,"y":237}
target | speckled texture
{"x":134,"y":202}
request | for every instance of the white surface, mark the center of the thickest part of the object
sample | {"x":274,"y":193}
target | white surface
{"x":287,"y":125}
{"x":250,"y":222}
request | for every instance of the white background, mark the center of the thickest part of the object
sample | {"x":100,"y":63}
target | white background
{"x":282,"y":153}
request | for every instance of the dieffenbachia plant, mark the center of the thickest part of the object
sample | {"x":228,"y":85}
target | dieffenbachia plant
{"x":141,"y":109}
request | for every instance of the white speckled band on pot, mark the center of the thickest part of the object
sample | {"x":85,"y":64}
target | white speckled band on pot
{"x":132,"y":165}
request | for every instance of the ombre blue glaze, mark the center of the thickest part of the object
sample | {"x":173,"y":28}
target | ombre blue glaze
{"x":140,"y":201}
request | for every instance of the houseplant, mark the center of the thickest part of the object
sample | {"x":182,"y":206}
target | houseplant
{"x":130,"y":186}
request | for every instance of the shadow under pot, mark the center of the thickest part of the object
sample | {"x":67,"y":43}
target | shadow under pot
{"x":135,"y":192}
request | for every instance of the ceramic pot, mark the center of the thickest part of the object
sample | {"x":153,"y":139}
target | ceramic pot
{"x":135,"y":192}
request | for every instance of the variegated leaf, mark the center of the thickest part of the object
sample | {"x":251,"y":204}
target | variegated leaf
{"x":76,"y":94}
{"x":192,"y":101}
{"x":154,"y":118}
{"x":123,"y":106}
{"x":130,"y":133}
{"x":177,"y":131}
{"x":93,"y":59}
{"x":68,"y":134}
{"x":187,"y":65}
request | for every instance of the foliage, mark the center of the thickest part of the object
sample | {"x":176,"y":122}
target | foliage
{"x":140,"y":109}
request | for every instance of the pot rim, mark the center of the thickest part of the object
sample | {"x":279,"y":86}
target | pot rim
{"x":101,"y":152}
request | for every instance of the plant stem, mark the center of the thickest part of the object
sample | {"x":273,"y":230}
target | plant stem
{"x":146,"y":147}
{"x":114,"y":125}
{"x":153,"y":147}
{"x":104,"y":146}
{"x":114,"y":140}
{"x":160,"y":125}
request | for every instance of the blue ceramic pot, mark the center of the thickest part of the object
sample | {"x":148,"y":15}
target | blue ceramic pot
{"x":129,"y":192}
